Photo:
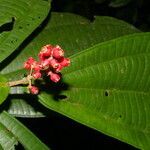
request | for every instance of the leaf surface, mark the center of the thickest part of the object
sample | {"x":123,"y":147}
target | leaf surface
{"x":74,"y":33}
{"x":108,"y":89}
{"x":12,"y":132}
{"x":25,"y":17}
{"x":4,"y":88}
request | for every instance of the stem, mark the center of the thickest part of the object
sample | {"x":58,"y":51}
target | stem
{"x":29,"y":80}
{"x":25,"y":80}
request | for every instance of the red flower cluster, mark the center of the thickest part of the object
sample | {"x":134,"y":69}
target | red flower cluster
{"x":51,"y":61}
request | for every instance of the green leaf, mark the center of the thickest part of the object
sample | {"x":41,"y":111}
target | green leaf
{"x":74,"y":33}
{"x":23,"y":107}
{"x":119,"y":3}
{"x":25,"y":17}
{"x":12,"y":131}
{"x":5,"y":19}
{"x":4,"y":88}
{"x":7,"y":139}
{"x":108,"y":89}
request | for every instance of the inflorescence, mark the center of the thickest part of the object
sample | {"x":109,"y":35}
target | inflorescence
{"x":51,"y":62}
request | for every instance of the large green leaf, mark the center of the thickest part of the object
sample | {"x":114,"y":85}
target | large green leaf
{"x":12,"y":132}
{"x":73,"y":33}
{"x":4,"y":20}
{"x":24,"y":17}
{"x":108,"y":89}
{"x":4,"y":88}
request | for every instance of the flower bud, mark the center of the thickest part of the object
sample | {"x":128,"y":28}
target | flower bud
{"x":27,"y":66}
{"x":34,"y":90}
{"x":65,"y":62}
{"x":36,"y":66}
{"x":45,"y":52}
{"x":59,"y":68}
{"x":30,"y":60}
{"x":54,"y":63}
{"x":54,"y":76}
{"x":45,"y":62}
{"x":36,"y":75}
{"x":57,"y":52}
{"x":29,"y":63}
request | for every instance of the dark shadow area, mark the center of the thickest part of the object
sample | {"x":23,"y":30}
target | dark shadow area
{"x":83,"y":8}
{"x":54,"y":89}
{"x":136,"y":12}
{"x":62,"y":133}
{"x":51,"y":88}
{"x":19,"y":147}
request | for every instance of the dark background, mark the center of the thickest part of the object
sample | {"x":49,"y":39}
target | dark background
{"x":62,"y":133}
